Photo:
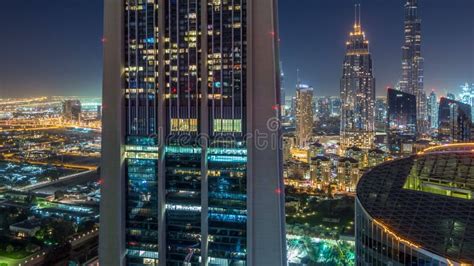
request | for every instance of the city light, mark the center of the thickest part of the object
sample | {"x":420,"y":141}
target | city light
{"x":201,"y":150}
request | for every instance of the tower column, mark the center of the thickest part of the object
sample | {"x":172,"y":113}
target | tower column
{"x":266,"y":224}
{"x":112,"y":203}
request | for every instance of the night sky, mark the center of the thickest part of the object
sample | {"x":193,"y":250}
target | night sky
{"x":53,"y":47}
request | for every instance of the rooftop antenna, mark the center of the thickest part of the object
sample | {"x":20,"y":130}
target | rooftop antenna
{"x":355,"y":14}
{"x":298,"y":81}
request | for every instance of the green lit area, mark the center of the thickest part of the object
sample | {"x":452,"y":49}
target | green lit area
{"x":183,"y":150}
{"x":227,"y":159}
{"x":439,"y":188}
{"x":440,"y":175}
{"x":303,"y":250}
{"x":139,"y":148}
{"x":141,"y":155}
{"x":228,"y":151}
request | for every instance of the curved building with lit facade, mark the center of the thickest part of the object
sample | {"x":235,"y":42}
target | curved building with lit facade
{"x":418,"y":210}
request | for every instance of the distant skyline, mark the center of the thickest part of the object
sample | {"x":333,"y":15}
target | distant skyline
{"x":54,"y":47}
{"x":314,"y":32}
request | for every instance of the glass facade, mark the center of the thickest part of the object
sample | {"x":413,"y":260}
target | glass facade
{"x":176,"y":172}
{"x":226,"y":57}
{"x":227,"y":205}
{"x":454,"y":120}
{"x":378,"y":246}
{"x":141,"y":87}
{"x":417,"y":210}
{"x":443,"y":174}
{"x":227,"y":153}
{"x":226,"y":164}
{"x":183,"y":205}
{"x":142,"y":203}
{"x":401,"y":121}
{"x":413,"y":63}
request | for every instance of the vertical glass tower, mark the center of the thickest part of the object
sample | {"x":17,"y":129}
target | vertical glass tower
{"x":304,"y":114}
{"x":357,"y":92}
{"x":191,"y":161}
{"x":433,"y":110}
{"x":412,"y":63}
{"x":454,"y":120}
{"x":401,"y":121}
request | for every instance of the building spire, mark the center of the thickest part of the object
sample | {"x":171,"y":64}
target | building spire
{"x":360,"y":14}
{"x":357,"y":19}
{"x":357,"y":15}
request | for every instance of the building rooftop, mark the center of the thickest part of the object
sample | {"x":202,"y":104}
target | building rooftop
{"x":426,"y":199}
{"x":320,"y":157}
{"x":378,"y":151}
{"x":348,"y":159}
{"x":27,"y":224}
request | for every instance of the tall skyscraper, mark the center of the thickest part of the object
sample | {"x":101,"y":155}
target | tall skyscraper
{"x":304,"y":113}
{"x":467,"y":96}
{"x":454,"y":120}
{"x":190,"y":87}
{"x":381,"y":114}
{"x":335,"y":105}
{"x":412,"y":63}
{"x":433,"y":110}
{"x":357,"y":91}
{"x":401,"y":122}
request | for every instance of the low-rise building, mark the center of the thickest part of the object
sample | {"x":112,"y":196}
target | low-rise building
{"x":26,"y":228}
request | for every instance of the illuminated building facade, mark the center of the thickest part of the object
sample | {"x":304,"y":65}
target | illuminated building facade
{"x":358,"y":154}
{"x":335,"y":106}
{"x":316,"y":149}
{"x":320,"y":170}
{"x":324,"y":106}
{"x":357,"y":92}
{"x":348,"y":174}
{"x":415,"y":211}
{"x":381,"y":114}
{"x":401,"y":122}
{"x":467,"y":96}
{"x":182,"y":185}
{"x":433,"y":110}
{"x":455,"y":121}
{"x":412,"y":63}
{"x":304,"y":113}
{"x":376,"y":157}
{"x":72,"y":110}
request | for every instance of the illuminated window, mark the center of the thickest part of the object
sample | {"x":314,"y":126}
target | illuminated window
{"x":228,"y":125}
{"x":180,"y":125}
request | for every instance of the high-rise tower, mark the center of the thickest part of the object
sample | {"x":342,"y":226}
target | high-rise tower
{"x":433,"y":110}
{"x":191,"y":165}
{"x":357,"y":91}
{"x":467,"y":96}
{"x":412,"y":63}
{"x":304,"y":113}
{"x":401,"y":121}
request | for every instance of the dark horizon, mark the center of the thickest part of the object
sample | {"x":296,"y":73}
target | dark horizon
{"x":43,"y":57}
